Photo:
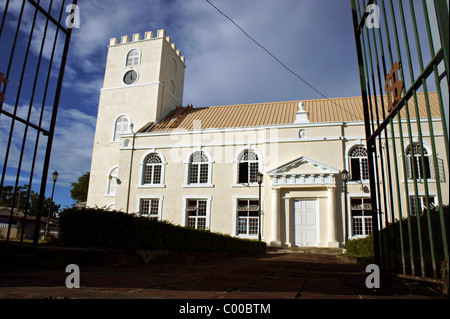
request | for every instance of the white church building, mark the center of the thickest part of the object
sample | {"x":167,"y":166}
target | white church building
{"x":198,"y":167}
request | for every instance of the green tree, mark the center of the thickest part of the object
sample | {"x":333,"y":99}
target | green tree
{"x":21,"y":197}
{"x":34,"y":199}
{"x":80,"y":188}
{"x":24,"y":202}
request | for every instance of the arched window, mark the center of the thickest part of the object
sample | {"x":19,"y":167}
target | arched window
{"x":414,"y":162}
{"x":248,"y":167}
{"x":198,"y":168}
{"x":112,"y":181}
{"x":121,"y":126}
{"x":152,"y":169}
{"x":359,"y":164}
{"x":133,"y":57}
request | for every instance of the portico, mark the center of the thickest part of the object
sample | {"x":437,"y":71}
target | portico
{"x":303,"y":209}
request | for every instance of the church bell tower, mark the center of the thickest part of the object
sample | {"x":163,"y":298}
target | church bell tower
{"x":143,"y":82}
{"x":144,"y":79}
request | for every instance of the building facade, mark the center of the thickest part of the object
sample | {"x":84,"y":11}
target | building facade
{"x":198,"y":167}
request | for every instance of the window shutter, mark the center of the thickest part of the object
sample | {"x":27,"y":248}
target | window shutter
{"x":408,"y":167}
{"x":426,"y":171}
{"x":355,"y":171}
{"x":441,"y":176}
{"x":243,"y":173}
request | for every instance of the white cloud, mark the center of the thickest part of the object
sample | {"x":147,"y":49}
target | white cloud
{"x":226,"y":67}
{"x":313,"y":38}
{"x":71,"y":151}
{"x":72,"y":145}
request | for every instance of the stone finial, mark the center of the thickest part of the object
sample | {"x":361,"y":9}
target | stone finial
{"x":124,"y":39}
{"x":113,"y":41}
{"x":301,"y":116}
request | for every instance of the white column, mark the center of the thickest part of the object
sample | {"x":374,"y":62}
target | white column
{"x":287,"y":223}
{"x":276,"y":241}
{"x":332,"y":240}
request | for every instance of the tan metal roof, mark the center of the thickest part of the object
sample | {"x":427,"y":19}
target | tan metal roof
{"x":348,"y":109}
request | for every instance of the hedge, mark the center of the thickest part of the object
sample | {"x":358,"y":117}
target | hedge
{"x":390,"y":239}
{"x":95,"y":227}
{"x":361,"y":247}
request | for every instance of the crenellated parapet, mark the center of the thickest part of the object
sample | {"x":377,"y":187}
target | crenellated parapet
{"x":160,"y":34}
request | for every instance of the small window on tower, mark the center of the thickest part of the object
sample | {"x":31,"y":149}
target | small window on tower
{"x":133,"y":57}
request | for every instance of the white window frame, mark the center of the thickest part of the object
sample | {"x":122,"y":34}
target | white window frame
{"x":422,"y":202}
{"x":113,"y":138}
{"x":188,"y":163}
{"x":236,"y":166}
{"x":159,"y":198}
{"x":409,"y":171}
{"x":236,"y":199}
{"x":139,"y":57}
{"x":186,"y":198}
{"x":142,"y":166}
{"x":350,"y":217}
{"x":361,"y":170}
{"x":112,"y":180}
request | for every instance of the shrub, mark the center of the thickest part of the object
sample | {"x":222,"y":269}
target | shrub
{"x":361,"y":247}
{"x":95,"y":227}
{"x":390,"y":240}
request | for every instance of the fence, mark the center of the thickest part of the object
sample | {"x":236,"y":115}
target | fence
{"x":34,"y":45}
{"x":402,"y":49}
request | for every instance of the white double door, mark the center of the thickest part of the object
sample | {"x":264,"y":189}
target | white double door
{"x":305,"y":222}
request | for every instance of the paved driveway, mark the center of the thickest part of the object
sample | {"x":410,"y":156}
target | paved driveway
{"x":270,"y":276}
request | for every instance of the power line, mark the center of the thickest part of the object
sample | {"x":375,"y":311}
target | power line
{"x":281,"y":63}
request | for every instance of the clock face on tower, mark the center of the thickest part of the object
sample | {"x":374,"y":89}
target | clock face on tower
{"x":130,"y":77}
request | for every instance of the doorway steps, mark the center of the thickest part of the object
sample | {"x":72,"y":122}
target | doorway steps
{"x":307,"y":250}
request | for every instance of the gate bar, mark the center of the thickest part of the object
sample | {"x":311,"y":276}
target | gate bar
{"x":370,"y":146}
{"x":417,"y":84}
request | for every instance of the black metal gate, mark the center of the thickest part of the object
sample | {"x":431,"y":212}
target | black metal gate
{"x":34,"y":43}
{"x":402,"y":48}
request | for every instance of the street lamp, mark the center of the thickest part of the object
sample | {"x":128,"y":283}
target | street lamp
{"x":55,"y":178}
{"x":259,"y":179}
{"x":344,"y":175}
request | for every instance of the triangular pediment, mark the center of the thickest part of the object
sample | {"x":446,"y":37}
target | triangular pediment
{"x":303,"y":166}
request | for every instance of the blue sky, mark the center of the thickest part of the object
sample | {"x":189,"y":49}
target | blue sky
{"x":313,"y":38}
